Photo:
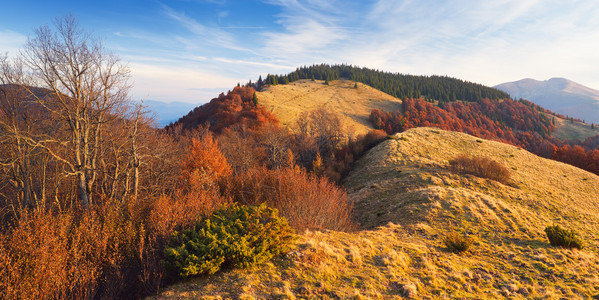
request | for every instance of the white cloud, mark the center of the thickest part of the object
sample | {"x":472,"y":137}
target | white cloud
{"x":482,"y":41}
{"x":177,"y":83}
{"x":11,"y":42}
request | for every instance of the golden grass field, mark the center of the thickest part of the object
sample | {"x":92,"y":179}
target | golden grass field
{"x":352,"y":106}
{"x":406,"y":201}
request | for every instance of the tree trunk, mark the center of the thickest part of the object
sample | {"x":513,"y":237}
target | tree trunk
{"x":83,"y":193}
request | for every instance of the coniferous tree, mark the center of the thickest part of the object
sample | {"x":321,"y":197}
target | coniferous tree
{"x":259,"y":84}
{"x":255,"y":99}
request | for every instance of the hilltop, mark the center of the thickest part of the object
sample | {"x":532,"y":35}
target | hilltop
{"x":351,"y":105}
{"x":406,"y":200}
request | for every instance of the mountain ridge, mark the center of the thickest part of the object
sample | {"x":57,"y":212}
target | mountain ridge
{"x":557,"y":94}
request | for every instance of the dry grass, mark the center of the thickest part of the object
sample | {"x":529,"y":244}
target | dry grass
{"x":407,"y":199}
{"x":574,"y":131}
{"x":353,"y":106}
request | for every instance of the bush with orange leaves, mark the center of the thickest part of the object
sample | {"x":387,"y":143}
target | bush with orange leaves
{"x":205,"y":165}
{"x":75,"y":254}
{"x":480,"y":166}
{"x":306,"y":200}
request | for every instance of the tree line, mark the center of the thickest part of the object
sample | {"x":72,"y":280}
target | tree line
{"x":439,"y":88}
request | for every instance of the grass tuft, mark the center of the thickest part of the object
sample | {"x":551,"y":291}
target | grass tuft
{"x":457,"y":243}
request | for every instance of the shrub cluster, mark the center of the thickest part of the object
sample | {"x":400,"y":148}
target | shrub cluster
{"x":480,"y":166}
{"x":457,"y":243}
{"x":306,"y":200}
{"x":560,"y":237}
{"x":237,"y":236}
{"x":345,"y":157}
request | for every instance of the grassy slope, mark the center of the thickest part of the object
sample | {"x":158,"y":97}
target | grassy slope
{"x":407,"y":200}
{"x":353,"y":106}
{"x":574,"y":131}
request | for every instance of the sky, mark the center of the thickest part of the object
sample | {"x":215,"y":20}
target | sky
{"x":191,"y":50}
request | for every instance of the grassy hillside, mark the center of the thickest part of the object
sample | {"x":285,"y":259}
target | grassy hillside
{"x":407,"y":200}
{"x":353,"y":106}
{"x":573,"y":131}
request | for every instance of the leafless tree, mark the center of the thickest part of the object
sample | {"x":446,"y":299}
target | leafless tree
{"x":324,"y":129}
{"x":87,"y":89}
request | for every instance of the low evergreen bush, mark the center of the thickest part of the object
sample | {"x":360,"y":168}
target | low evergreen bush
{"x":237,"y":236}
{"x":561,"y":237}
{"x":456,"y":243}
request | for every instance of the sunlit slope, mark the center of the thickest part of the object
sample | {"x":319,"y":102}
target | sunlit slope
{"x":565,"y":129}
{"x":407,"y":200}
{"x":352,"y":105}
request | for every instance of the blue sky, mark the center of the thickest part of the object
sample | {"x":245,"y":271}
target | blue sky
{"x":191,"y":50}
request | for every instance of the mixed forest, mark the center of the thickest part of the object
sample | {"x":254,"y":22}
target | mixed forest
{"x":95,"y":202}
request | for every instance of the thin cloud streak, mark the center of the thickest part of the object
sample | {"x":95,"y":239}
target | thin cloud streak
{"x":480,"y":41}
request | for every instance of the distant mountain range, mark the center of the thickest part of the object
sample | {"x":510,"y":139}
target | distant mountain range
{"x":166,"y":113}
{"x":559,"y":95}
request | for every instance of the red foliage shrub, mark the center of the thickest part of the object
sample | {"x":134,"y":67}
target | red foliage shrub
{"x":480,"y":166}
{"x":307,"y":201}
{"x":205,"y":165}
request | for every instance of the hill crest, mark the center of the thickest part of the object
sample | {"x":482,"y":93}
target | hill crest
{"x":351,"y":105}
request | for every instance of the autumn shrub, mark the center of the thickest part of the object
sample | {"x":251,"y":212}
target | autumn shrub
{"x":480,"y":166}
{"x":306,"y":200}
{"x":457,"y":243}
{"x":204,"y":166}
{"x":560,"y":237}
{"x":72,"y":254}
{"x":237,"y":236}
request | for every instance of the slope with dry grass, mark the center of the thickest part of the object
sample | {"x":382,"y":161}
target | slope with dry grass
{"x":352,"y":105}
{"x":565,"y":129}
{"x":407,"y":200}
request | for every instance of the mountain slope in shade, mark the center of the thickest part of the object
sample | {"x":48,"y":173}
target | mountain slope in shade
{"x":165,"y":113}
{"x":559,"y":95}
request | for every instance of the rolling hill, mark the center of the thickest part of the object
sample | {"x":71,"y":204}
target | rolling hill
{"x":559,"y":95}
{"x":351,"y":105}
{"x":406,"y":200}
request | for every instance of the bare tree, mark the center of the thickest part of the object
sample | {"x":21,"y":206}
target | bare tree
{"x":87,"y":90}
{"x":323,"y":128}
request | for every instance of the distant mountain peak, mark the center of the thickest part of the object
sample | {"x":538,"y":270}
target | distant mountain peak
{"x":558,"y":94}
